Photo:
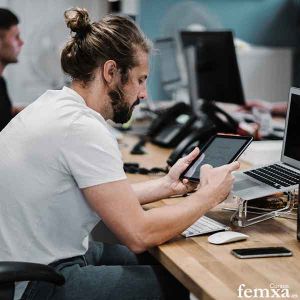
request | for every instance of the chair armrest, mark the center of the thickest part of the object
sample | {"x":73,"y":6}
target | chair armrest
{"x":11,"y":271}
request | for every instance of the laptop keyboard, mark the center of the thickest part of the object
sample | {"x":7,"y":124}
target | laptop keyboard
{"x":275,"y":175}
{"x":204,"y":225}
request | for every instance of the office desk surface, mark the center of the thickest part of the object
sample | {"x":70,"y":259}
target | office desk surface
{"x":210,"y":271}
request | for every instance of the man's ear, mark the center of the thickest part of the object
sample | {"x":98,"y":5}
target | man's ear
{"x":109,"y":71}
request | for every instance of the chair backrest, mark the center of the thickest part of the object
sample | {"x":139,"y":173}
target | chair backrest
{"x":7,"y":291}
{"x":12,"y":271}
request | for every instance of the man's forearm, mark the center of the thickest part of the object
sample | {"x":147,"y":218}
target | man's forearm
{"x":163,"y":223}
{"x":152,"y":190}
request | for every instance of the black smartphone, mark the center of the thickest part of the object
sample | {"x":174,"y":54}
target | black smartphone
{"x":221,"y":149}
{"x":261,"y":252}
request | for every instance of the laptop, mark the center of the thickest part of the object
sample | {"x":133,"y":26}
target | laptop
{"x":281,"y":176}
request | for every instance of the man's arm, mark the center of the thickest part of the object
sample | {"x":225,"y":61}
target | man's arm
{"x":152,"y":190}
{"x":118,"y":206}
{"x":168,"y":185}
{"x":277,"y":109}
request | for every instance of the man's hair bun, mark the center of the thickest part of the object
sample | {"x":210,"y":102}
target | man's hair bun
{"x":112,"y":38}
{"x":77,"y":19}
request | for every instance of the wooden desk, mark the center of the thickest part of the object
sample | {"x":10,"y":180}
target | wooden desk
{"x":210,"y":271}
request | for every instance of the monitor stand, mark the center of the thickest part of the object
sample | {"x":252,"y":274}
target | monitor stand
{"x":196,"y":103}
{"x":241,"y":216}
{"x":190,"y":58}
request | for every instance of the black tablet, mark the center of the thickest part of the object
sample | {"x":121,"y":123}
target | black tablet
{"x":221,"y":149}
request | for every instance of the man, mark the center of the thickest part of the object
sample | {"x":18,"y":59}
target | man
{"x":63,"y":173}
{"x":10,"y":47}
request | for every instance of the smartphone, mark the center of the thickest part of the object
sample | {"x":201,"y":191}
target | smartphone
{"x":261,"y":252}
{"x":220,"y":150}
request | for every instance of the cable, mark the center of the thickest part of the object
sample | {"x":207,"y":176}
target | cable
{"x":134,"y":168}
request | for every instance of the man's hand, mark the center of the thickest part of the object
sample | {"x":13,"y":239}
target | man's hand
{"x":219,"y":180}
{"x":178,"y":187}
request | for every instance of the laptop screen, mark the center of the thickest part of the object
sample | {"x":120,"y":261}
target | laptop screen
{"x":292,"y":140}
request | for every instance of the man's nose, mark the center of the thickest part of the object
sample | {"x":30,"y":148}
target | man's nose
{"x":143,"y":94}
{"x":21,"y":42}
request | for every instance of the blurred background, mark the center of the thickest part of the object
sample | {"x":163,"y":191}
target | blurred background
{"x":267,"y":40}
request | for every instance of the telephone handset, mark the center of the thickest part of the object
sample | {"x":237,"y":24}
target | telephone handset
{"x":169,"y":128}
{"x":217,"y":121}
{"x":179,"y":126}
{"x":196,"y":138}
{"x":221,"y":119}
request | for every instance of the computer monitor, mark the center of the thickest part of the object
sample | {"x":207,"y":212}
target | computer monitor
{"x":167,"y":59}
{"x":218,"y":76}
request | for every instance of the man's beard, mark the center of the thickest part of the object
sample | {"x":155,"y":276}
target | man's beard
{"x":121,"y":109}
{"x":8,"y":60}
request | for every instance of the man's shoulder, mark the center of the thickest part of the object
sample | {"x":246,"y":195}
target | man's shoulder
{"x":65,"y":114}
{"x":91,"y":124}
{"x":66,"y":108}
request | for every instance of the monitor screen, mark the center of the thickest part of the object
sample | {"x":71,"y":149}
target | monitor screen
{"x":218,"y":76}
{"x":292,"y":141}
{"x":167,"y":59}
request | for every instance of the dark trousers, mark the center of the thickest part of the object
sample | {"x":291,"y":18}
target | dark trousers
{"x":109,"y":272}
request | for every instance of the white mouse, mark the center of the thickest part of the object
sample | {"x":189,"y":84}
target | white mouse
{"x":225,"y":237}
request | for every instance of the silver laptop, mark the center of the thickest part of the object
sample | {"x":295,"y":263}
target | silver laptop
{"x":280,"y":176}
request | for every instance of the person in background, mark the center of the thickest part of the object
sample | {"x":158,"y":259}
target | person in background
{"x":10,"y":47}
{"x":276,"y":109}
{"x":63,"y":173}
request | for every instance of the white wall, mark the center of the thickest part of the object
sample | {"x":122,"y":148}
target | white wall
{"x":266,"y":73}
{"x":44,"y":33}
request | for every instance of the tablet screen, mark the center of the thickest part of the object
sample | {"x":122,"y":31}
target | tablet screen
{"x":219,"y":150}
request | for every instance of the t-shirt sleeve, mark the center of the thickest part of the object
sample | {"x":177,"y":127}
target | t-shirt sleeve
{"x":91,"y":154}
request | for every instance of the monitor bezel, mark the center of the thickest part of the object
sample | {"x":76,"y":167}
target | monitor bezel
{"x":168,"y":40}
{"x":285,"y":159}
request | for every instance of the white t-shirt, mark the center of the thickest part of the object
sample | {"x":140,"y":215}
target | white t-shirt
{"x":49,"y":151}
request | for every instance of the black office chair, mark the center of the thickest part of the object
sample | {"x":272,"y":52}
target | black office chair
{"x":11,"y":272}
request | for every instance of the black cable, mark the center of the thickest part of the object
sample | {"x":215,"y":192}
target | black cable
{"x":134,"y":168}
{"x":137,"y":149}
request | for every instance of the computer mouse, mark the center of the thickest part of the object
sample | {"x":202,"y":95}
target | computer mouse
{"x":225,"y":237}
